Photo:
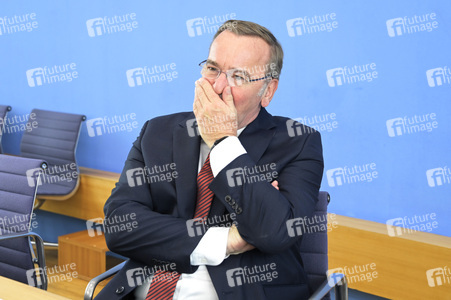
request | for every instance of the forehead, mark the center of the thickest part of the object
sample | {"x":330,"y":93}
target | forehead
{"x":229,"y":51}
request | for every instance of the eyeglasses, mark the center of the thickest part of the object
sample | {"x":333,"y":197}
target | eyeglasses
{"x":235,"y":77}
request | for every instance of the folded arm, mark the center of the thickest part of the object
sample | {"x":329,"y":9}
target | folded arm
{"x":264,"y":210}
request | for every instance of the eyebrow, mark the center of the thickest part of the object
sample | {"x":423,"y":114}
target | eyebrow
{"x":214,"y":63}
{"x":209,"y":61}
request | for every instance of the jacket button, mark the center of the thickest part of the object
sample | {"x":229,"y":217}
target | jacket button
{"x":119,"y":290}
{"x":232,"y":202}
{"x":239,"y":210}
{"x":228,"y":198}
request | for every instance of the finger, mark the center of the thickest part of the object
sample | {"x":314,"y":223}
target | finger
{"x":203,"y":99}
{"x":227,"y":96}
{"x":275,"y":184}
{"x":196,"y":106}
{"x":197,"y":102}
{"x":209,"y":91}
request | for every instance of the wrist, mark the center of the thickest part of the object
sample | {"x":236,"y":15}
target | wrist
{"x":215,"y":143}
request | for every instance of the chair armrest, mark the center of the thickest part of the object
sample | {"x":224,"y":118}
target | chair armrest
{"x":39,"y":249}
{"x":89,"y":292}
{"x":339,"y":283}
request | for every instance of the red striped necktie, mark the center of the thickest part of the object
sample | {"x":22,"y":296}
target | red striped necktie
{"x":163,"y":282}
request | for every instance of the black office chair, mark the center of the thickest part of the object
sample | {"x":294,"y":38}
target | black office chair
{"x":313,"y":253}
{"x":54,"y":138}
{"x":315,"y":258}
{"x":19,"y":178}
{"x":3,"y":112}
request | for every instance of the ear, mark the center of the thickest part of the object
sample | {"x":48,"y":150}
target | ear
{"x":269,"y":92}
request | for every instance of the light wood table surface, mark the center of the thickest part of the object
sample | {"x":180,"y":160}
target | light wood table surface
{"x":14,"y":290}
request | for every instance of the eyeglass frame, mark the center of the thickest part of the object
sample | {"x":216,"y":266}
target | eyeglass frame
{"x":203,"y":64}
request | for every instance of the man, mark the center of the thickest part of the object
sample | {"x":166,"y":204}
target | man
{"x":261,"y":175}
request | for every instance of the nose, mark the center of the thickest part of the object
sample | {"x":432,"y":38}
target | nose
{"x":220,"y":83}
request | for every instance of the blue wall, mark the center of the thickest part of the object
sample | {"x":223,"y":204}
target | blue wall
{"x":397,"y":50}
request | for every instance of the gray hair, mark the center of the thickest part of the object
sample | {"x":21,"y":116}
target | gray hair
{"x":246,"y":28}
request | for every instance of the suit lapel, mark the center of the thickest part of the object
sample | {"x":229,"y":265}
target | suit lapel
{"x":257,"y":135}
{"x":255,"y":139}
{"x":186,"y":157}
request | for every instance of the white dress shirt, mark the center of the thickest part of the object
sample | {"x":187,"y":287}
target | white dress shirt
{"x":211,"y":249}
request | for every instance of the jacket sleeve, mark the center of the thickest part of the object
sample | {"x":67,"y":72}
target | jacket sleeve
{"x":263,"y":212}
{"x":155,"y":238}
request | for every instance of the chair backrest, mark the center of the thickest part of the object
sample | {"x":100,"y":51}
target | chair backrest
{"x":54,"y":138}
{"x":3,"y":112}
{"x":314,"y":244}
{"x":18,"y":183}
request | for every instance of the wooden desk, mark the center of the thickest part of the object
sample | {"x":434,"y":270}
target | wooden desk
{"x":14,"y":290}
{"x":87,"y":203}
{"x":88,"y":253}
{"x":401,"y":261}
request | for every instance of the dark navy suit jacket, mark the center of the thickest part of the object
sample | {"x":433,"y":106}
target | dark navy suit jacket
{"x":161,"y":235}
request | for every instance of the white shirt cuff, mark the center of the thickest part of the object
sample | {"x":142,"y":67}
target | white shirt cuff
{"x":224,"y":153}
{"x":212,"y":248}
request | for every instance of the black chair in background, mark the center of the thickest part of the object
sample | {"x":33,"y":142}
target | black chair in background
{"x":19,"y":178}
{"x":315,"y":258}
{"x":54,"y":137}
{"x":3,"y":112}
{"x":313,"y":252}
